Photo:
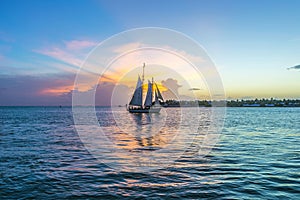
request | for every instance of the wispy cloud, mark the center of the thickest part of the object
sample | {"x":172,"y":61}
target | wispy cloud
{"x":72,"y":52}
{"x":79,"y":44}
{"x":194,"y":89}
{"x":186,"y":55}
{"x":297,"y":67}
{"x":126,"y":47}
{"x":61,"y":55}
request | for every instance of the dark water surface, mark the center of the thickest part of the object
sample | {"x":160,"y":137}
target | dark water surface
{"x":257,"y":157}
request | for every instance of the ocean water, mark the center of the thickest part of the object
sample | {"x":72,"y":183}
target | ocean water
{"x":256,"y":156}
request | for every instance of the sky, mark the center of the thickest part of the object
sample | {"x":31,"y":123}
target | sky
{"x":255,"y":45}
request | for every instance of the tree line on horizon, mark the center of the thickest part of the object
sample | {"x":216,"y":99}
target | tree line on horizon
{"x":234,"y":103}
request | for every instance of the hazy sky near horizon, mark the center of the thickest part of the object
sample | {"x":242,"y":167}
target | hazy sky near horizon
{"x":254,"y":44}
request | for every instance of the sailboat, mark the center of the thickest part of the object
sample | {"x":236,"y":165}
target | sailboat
{"x":136,"y":104}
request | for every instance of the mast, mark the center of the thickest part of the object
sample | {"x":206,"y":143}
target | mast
{"x":143,"y":77}
{"x":153,"y":93}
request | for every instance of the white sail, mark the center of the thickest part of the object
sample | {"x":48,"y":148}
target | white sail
{"x":148,"y":101}
{"x":137,"y":98}
{"x":159,"y":96}
{"x":156,"y":101}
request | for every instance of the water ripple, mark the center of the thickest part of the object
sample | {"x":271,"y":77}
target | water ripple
{"x":42,"y":157}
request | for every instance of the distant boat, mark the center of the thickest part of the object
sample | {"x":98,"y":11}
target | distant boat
{"x":136,"y":104}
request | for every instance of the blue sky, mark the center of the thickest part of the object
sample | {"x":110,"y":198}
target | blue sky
{"x":252,"y":42}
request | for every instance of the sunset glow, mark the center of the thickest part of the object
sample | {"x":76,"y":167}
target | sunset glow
{"x":255,"y":55}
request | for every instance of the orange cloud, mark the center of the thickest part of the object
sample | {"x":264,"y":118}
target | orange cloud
{"x":56,"y":91}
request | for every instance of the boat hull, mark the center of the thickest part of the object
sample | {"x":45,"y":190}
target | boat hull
{"x":151,"y":110}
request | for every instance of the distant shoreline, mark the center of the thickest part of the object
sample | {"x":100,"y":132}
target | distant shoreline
{"x":231,"y":106}
{"x":235,"y":103}
{"x":163,"y":106}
